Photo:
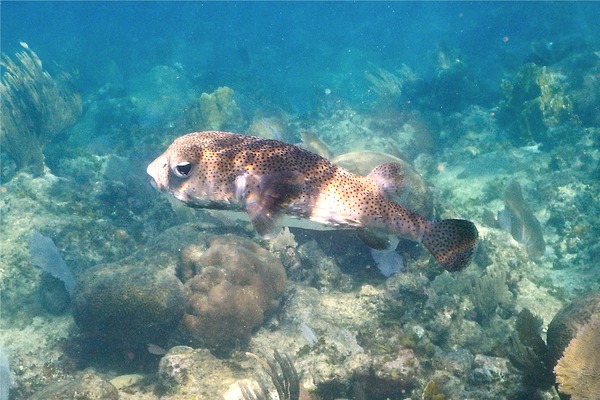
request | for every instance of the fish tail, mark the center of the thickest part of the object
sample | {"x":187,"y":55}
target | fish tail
{"x":451,"y":241}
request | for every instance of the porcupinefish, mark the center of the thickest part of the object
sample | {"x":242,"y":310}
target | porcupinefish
{"x":269,"y":179}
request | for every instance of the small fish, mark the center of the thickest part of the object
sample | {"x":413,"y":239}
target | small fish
{"x":269,"y":179}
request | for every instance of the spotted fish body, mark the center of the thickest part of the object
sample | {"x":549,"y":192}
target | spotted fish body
{"x":268,"y":179}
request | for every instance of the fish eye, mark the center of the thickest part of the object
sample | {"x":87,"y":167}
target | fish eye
{"x":183,"y":169}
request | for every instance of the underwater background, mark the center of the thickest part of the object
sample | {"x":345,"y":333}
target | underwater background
{"x":109,"y":290}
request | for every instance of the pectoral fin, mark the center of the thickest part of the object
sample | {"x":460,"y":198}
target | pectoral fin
{"x":266,"y":195}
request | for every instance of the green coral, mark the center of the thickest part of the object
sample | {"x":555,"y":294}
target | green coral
{"x":535,"y":100}
{"x":35,"y":107}
{"x":216,"y":111}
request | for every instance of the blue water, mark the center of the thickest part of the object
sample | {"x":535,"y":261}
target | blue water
{"x":290,"y":51}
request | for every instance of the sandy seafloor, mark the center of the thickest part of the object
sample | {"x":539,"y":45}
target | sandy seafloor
{"x":375,"y":337}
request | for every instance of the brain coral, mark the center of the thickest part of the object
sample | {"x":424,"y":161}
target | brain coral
{"x":231,"y":287}
{"x":128,"y":303}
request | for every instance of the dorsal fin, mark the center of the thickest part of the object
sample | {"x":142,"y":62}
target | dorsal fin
{"x":391,"y":181}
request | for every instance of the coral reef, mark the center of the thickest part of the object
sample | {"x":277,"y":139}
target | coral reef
{"x":231,"y":287}
{"x":45,"y":255}
{"x":5,"y":378}
{"x":35,"y":107}
{"x":185,"y":372}
{"x":275,"y":126}
{"x":385,"y":83}
{"x":431,"y":392}
{"x":312,"y":142}
{"x":216,"y":111}
{"x":138,"y":299}
{"x":578,"y":371}
{"x":159,"y":97}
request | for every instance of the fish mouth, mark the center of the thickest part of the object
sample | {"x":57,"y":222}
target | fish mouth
{"x":154,"y":184}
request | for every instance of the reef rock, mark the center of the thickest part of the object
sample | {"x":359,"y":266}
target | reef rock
{"x":87,"y":386}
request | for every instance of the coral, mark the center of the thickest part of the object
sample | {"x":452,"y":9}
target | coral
{"x":35,"y":107}
{"x":528,"y":352}
{"x":313,"y":143}
{"x":216,"y":111}
{"x":489,"y":291}
{"x":233,"y":285}
{"x":186,"y":373}
{"x":386,"y":84}
{"x":534,"y":101}
{"x":128,"y":303}
{"x":565,"y":324}
{"x":287,"y":383}
{"x":578,"y":371}
{"x":520,"y":221}
{"x":5,"y":379}
{"x":432,"y":392}
{"x":52,"y":294}
{"x":271,"y":127}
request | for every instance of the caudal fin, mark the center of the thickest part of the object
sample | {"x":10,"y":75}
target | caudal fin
{"x":452,"y":242}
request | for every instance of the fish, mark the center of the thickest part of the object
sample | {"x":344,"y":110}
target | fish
{"x":268,"y":179}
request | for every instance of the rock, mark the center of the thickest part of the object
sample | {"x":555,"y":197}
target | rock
{"x":87,"y":386}
{"x":184,"y":371}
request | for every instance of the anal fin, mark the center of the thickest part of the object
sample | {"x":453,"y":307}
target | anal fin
{"x":377,"y":240}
